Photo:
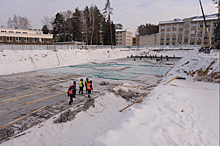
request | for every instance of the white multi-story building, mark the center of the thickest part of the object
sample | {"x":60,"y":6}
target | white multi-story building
{"x":187,"y":31}
{"x":124,"y":37}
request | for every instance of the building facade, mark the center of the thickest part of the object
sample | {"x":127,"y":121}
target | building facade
{"x":19,"y":36}
{"x":187,"y":31}
{"x":124,"y":37}
{"x":135,"y":41}
{"x":152,"y":39}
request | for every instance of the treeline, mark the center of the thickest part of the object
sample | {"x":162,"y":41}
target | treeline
{"x":147,"y":29}
{"x":89,"y":25}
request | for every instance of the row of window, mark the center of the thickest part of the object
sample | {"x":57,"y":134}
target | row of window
{"x":187,"y":28}
{"x":191,"y":43}
{"x":119,"y":36}
{"x":13,"y":31}
{"x":180,"y":32}
{"x":26,"y":39}
{"x":192,"y":38}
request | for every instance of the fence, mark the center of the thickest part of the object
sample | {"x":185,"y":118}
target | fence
{"x":69,"y":47}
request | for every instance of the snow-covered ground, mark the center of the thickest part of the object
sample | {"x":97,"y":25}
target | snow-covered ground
{"x":182,"y":112}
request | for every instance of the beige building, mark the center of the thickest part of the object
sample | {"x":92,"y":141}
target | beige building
{"x":124,"y":37}
{"x":153,"y":39}
{"x":20,"y":36}
{"x":187,"y":31}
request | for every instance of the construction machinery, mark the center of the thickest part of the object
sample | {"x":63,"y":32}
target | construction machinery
{"x":207,"y":47}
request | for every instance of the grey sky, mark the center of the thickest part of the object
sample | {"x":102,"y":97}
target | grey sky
{"x":129,"y":13}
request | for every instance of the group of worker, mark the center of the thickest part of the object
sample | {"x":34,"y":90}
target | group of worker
{"x":72,"y":89}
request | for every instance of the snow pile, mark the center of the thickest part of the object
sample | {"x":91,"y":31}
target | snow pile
{"x":200,"y":67}
{"x":184,"y":114}
{"x":23,"y":61}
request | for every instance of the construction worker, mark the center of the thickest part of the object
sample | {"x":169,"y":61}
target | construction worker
{"x":72,"y":92}
{"x":86,"y":82}
{"x":89,"y":88}
{"x":81,"y":86}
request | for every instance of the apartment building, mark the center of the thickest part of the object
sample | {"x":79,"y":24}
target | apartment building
{"x":187,"y":31}
{"x":20,"y":36}
{"x":124,"y":37}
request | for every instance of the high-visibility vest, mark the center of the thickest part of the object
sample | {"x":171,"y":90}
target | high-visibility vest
{"x":88,"y":86}
{"x":70,"y":92}
{"x":80,"y":83}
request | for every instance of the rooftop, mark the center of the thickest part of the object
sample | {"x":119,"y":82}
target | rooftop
{"x":195,"y":18}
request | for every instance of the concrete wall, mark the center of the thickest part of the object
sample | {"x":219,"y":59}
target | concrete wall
{"x":149,"y":40}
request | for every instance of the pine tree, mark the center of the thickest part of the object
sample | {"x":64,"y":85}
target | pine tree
{"x":58,"y":28}
{"x":76,"y":25}
{"x":45,"y":29}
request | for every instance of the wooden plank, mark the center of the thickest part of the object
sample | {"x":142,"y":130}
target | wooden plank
{"x":171,"y":80}
{"x":134,"y":102}
{"x":23,"y":117}
{"x":44,"y":98}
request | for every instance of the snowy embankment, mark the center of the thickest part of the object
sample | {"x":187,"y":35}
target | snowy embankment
{"x":180,"y":113}
{"x":23,"y":61}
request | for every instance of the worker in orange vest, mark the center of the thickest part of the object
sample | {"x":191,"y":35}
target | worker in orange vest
{"x":89,"y":87}
{"x":72,"y":92}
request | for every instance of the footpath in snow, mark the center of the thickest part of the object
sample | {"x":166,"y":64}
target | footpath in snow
{"x":181,"y":112}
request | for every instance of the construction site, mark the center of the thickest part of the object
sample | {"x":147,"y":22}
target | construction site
{"x":30,"y":98}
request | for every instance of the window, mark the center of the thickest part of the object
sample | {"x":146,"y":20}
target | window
{"x":162,"y":39}
{"x":162,"y":28}
{"x":18,"y":39}
{"x":186,"y":34}
{"x":214,"y":24}
{"x":34,"y":40}
{"x":173,"y":33}
{"x":24,"y":32}
{"x":174,"y":27}
{"x":213,"y":37}
{"x":11,"y":31}
{"x":179,"y":39}
{"x":168,"y":39}
{"x":181,"y":26}
{"x":193,"y":32}
{"x":26,"y":40}
{"x":18,"y":32}
{"x":120,"y":36}
{"x":168,"y":27}
{"x":199,"y":31}
{"x":187,"y":29}
{"x":161,"y":43}
{"x":9,"y":39}
{"x":192,"y":43}
{"x":168,"y":33}
{"x":192,"y":38}
{"x":180,"y":32}
{"x":48,"y":40}
{"x":201,"y":25}
{"x":162,"y":33}
{"x":3,"y":31}
{"x":185,"y":40}
{"x":1,"y":39}
{"x":205,"y":38}
{"x":167,"y":43}
{"x":198,"y":43}
{"x":208,"y":24}
{"x":199,"y":38}
{"x":186,"y":23}
{"x":174,"y":39}
{"x":193,"y":25}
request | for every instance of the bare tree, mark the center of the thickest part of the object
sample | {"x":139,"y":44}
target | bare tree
{"x":48,"y":22}
{"x":119,"y":26}
{"x":19,"y":22}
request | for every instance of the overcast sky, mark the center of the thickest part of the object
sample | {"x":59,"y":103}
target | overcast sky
{"x":129,"y":13}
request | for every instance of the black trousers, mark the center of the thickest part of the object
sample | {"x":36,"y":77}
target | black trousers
{"x":81,"y":90}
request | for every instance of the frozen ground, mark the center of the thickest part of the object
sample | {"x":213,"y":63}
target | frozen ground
{"x":181,"y":112}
